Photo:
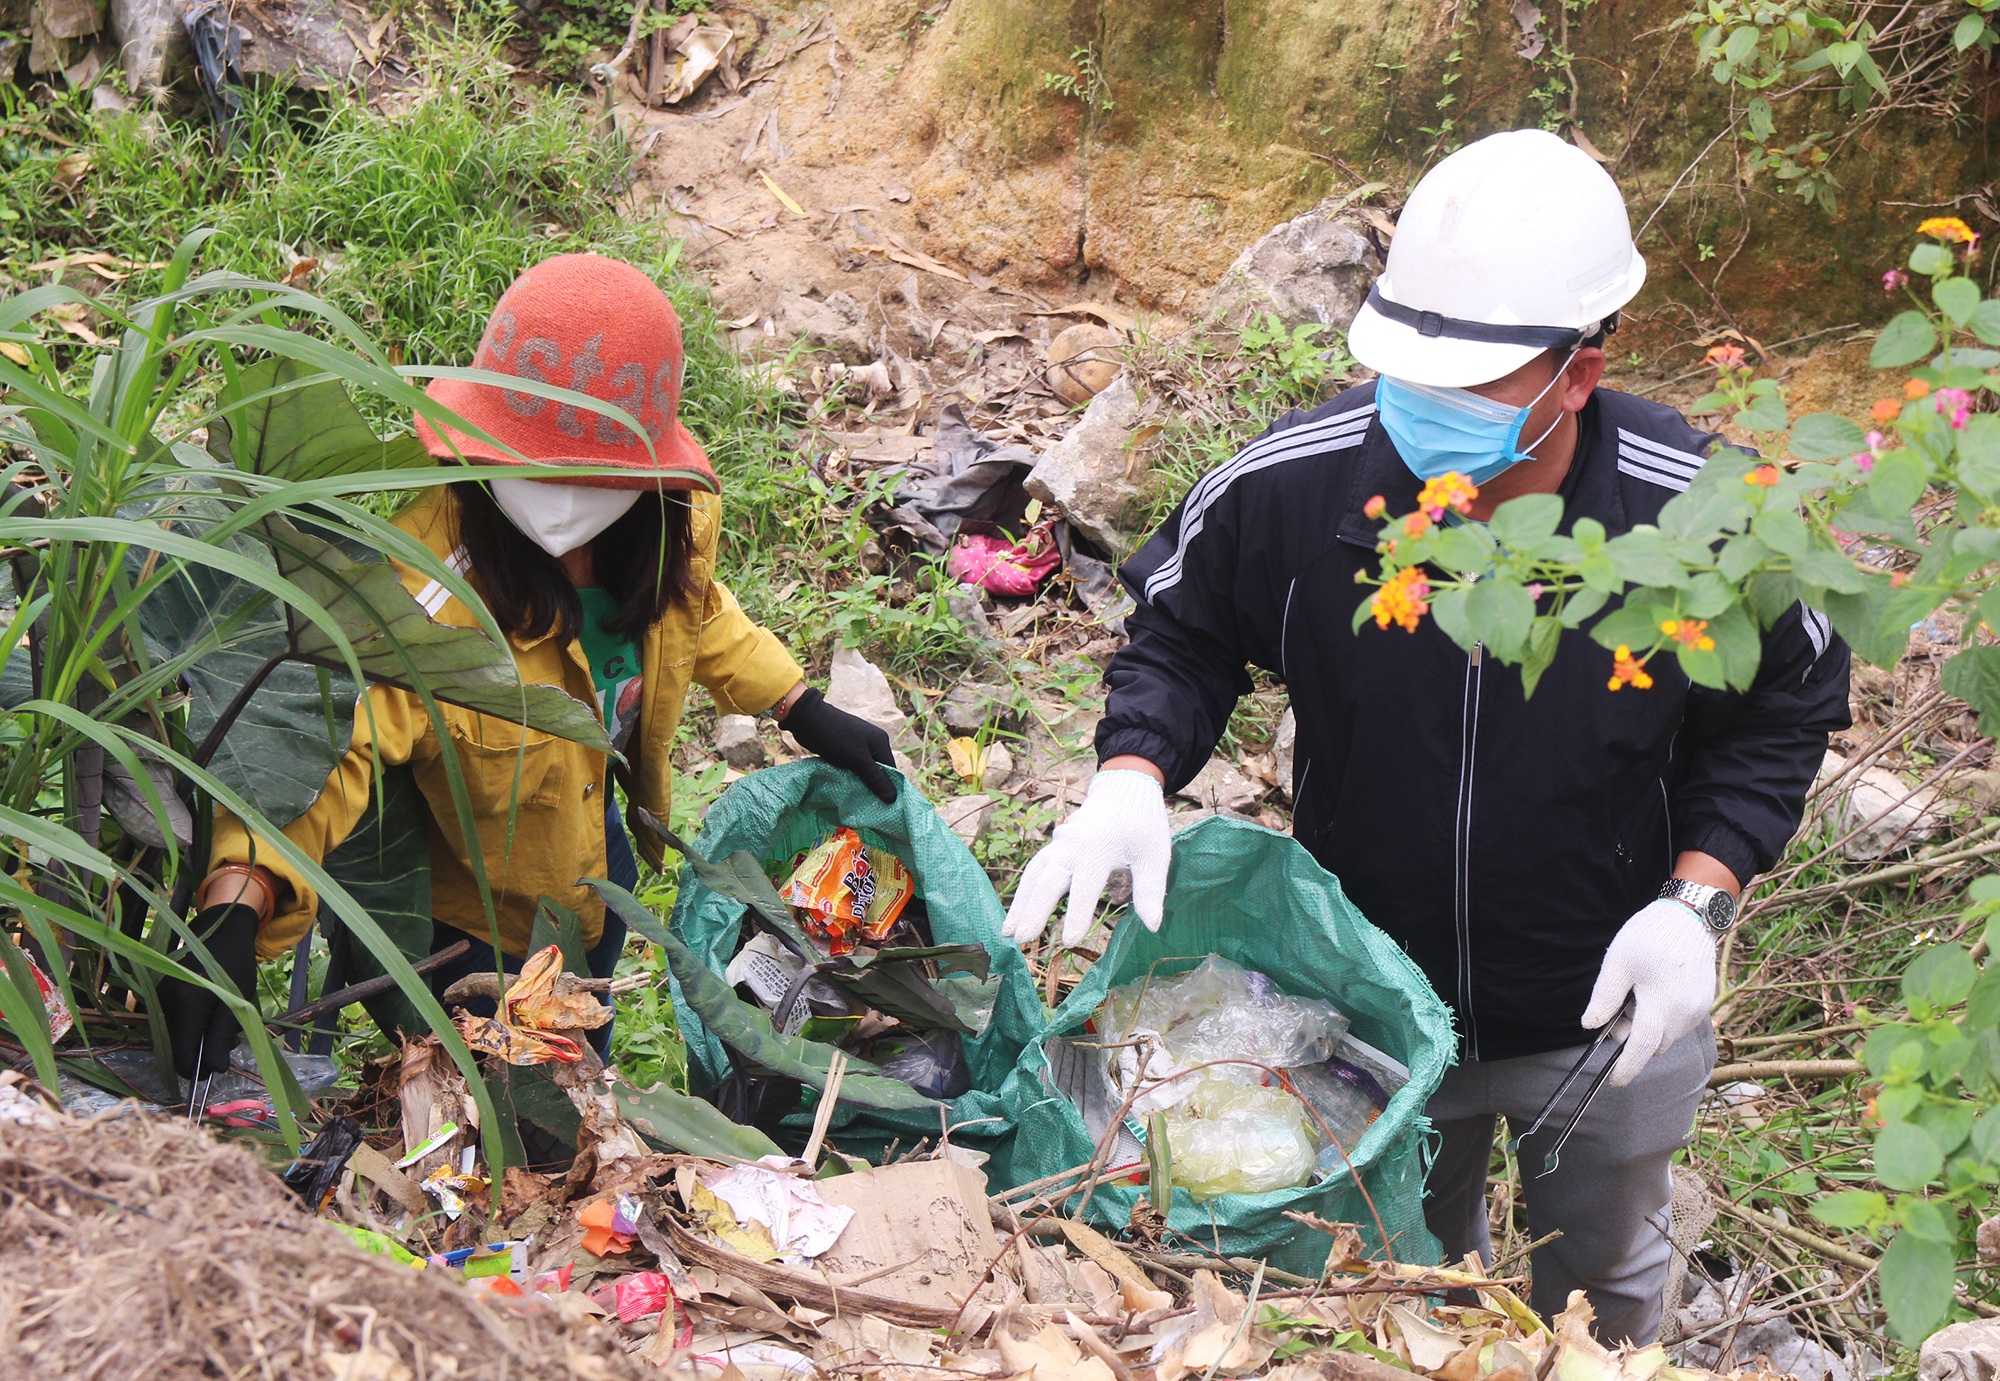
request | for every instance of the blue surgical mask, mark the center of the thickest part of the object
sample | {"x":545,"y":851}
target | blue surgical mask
{"x":1438,"y":430}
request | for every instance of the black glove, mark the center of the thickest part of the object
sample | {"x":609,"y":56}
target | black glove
{"x":843,"y":740}
{"x":197,"y":1020}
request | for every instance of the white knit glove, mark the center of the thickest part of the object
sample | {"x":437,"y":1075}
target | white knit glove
{"x":1121,"y":823}
{"x":1665,"y":957}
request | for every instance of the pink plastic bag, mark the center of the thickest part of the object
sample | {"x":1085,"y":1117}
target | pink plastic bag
{"x":1003,"y":567}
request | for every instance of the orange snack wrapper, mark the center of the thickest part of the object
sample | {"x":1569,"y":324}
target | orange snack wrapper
{"x":842,"y":888}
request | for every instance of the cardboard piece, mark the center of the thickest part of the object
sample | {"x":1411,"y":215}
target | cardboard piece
{"x":925,"y":1219}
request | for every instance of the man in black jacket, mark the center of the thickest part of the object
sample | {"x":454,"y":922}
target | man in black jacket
{"x":1541,"y":859}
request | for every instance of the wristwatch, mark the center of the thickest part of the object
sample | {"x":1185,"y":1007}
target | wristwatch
{"x":1714,"y":905}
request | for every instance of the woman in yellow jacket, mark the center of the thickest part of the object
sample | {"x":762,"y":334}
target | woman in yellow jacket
{"x":605,"y":587}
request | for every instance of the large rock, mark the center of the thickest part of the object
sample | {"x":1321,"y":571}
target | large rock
{"x":151,"y":41}
{"x":970,"y":708}
{"x":1962,"y":1352}
{"x":1315,"y":268}
{"x":54,"y":28}
{"x":1873,"y":802}
{"x":737,"y":740}
{"x":1093,"y":476}
{"x":1221,"y":785}
{"x":969,"y":816}
{"x":858,"y":686}
{"x":835,"y":323}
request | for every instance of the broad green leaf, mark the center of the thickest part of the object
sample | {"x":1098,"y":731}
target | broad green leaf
{"x":1928,"y":257}
{"x":1521,"y":523}
{"x":1985,"y":321}
{"x":385,"y":865}
{"x":1448,"y":612}
{"x":1876,"y":622}
{"x":1896,"y":483}
{"x":1979,"y":454}
{"x":555,"y":924}
{"x":1969,"y":30}
{"x":1581,"y":606}
{"x":1851,"y":1208}
{"x":1906,"y":1157}
{"x":746,"y":1028}
{"x":1642,"y":557}
{"x":1982,"y":1004}
{"x":1600,"y":573}
{"x":273,"y":424}
{"x":1783,"y":530}
{"x":1702,"y":668}
{"x":1830,"y":571}
{"x":1741,"y":555}
{"x":1766,"y":413}
{"x":1879,"y":1050}
{"x":740,"y":877}
{"x":1917,"y":1278}
{"x":1588,"y":534}
{"x":1738,"y":646}
{"x":1973,"y":675}
{"x":676,"y":1122}
{"x":396,"y":642}
{"x":1986,"y":1136}
{"x":1636,"y":626}
{"x":1825,"y":436}
{"x":1461,"y":550}
{"x":1927,"y":1220}
{"x":1543,"y":637}
{"x":1500,"y":611}
{"x":1907,"y":338}
{"x":1940,"y":977}
{"x":1948,"y":1124}
{"x":1957,"y":298}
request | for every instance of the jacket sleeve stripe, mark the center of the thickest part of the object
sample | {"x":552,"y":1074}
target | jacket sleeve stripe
{"x":1339,"y":433}
{"x":1679,"y":460}
{"x":1666,"y":479}
{"x":1818,"y":628}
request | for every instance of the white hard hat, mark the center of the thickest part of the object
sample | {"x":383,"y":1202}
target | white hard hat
{"x":1515,"y":244}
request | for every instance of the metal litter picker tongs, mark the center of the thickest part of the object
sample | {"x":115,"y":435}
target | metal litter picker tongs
{"x":1615,"y":1034}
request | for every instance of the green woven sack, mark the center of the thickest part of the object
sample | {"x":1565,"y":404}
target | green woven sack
{"x":777,"y":812}
{"x":1257,"y":897}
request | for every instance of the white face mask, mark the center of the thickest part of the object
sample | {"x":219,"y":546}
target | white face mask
{"x":559,"y":518}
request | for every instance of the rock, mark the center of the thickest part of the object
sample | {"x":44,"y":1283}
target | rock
{"x":1220,"y":786}
{"x":970,"y":708}
{"x":999,"y":767}
{"x":969,"y":816}
{"x":1962,"y":1352}
{"x":1877,"y":795}
{"x":736,"y":738}
{"x":53,"y":28}
{"x":836,"y":323}
{"x":309,"y":48}
{"x":1987,"y":1241}
{"x":1284,"y":749}
{"x":1091,"y":475}
{"x":964,"y":606}
{"x":1083,"y":360}
{"x":858,"y":686}
{"x":1315,"y":268}
{"x":152,"y":43}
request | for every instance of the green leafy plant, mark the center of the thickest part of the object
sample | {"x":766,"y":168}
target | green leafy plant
{"x":1936,"y":1108}
{"x":185,"y":627}
{"x":1086,"y":83}
{"x":1750,"y":539}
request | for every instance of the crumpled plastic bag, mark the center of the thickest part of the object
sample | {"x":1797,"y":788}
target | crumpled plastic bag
{"x":1216,"y":1011}
{"x":1238,"y":1139}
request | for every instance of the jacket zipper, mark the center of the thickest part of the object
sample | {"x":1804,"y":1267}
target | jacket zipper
{"x":1462,"y":845}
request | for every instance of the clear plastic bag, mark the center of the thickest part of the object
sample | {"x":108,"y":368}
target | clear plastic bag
{"x":1229,"y":1138}
{"x":1220,"y":1011}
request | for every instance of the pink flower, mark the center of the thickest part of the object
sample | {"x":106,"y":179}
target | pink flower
{"x":1894,"y":279}
{"x":1954,"y":403}
{"x":1863,"y":461}
{"x":1535,"y":589}
{"x":1875,"y":440}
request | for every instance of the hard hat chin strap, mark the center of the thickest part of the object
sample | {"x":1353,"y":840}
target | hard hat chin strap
{"x":1435,"y":324}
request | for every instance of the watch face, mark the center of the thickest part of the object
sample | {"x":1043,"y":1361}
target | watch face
{"x":1721,"y":910}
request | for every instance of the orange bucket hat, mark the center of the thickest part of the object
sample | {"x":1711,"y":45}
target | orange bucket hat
{"x":594,"y":325}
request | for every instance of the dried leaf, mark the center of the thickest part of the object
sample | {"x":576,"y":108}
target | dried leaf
{"x":15,"y":352}
{"x":516,"y":1046}
{"x":968,"y":759}
{"x":70,"y":169}
{"x":533,"y":1002}
{"x":784,"y":197}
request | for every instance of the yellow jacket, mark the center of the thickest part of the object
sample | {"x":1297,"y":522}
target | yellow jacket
{"x":556,"y":835}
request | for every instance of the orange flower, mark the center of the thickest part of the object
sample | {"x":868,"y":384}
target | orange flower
{"x":1950,"y":229}
{"x":1376,"y":506}
{"x":1417,"y":524}
{"x":1403,"y":599}
{"x":1724,"y":356}
{"x":1898,"y":579}
{"x":1764,"y":476}
{"x":1627,"y":670}
{"x":1689,"y":633}
{"x":1449,"y":490}
{"x":1914,"y":389}
{"x":1886,"y":409}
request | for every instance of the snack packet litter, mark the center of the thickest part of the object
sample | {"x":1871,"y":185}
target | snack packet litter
{"x":843,"y":887}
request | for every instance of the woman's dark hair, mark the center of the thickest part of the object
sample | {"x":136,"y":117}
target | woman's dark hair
{"x":643,"y":561}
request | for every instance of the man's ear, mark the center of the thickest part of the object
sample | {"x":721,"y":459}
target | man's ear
{"x":1581,"y":378}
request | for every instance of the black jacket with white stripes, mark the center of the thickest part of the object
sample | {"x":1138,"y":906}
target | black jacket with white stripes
{"x":1501,"y":840}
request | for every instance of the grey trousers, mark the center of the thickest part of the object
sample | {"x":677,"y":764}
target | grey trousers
{"x":1610,"y":1194}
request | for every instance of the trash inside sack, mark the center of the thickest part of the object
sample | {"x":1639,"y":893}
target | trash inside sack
{"x":1262,"y":1089}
